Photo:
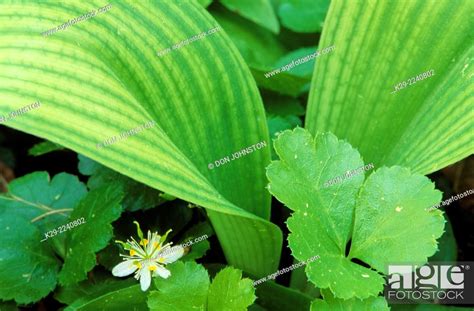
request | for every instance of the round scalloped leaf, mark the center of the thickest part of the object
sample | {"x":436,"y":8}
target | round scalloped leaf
{"x":323,"y":218}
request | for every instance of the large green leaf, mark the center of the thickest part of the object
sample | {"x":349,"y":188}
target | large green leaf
{"x":372,"y":213}
{"x":102,"y":76}
{"x":425,"y":126}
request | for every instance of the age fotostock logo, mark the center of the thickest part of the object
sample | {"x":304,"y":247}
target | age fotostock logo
{"x":442,"y":283}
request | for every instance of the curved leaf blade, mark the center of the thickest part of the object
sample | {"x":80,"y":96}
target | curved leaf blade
{"x":427,"y":125}
{"x":89,"y":94}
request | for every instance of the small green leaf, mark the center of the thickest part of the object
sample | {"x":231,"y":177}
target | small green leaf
{"x":373,"y":213}
{"x":258,"y":11}
{"x":303,"y":15}
{"x":99,"y":208}
{"x":186,"y":289}
{"x":44,"y":148}
{"x":229,"y":292}
{"x":29,"y":268}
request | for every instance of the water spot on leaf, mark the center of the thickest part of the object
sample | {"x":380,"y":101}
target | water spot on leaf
{"x":365,"y":275}
{"x":398,"y":209}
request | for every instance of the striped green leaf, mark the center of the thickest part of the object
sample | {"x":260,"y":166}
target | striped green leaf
{"x":425,"y":126}
{"x":102,"y":76}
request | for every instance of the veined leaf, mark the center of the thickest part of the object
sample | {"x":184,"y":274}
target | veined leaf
{"x":372,"y":213}
{"x":425,"y":126}
{"x":90,"y":93}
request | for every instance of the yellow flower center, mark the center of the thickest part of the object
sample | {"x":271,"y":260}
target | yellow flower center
{"x":152,"y":268}
{"x":132,"y":252}
{"x":161,"y":260}
{"x":138,"y":264}
{"x":144,"y":242}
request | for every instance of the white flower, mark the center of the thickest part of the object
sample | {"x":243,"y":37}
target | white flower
{"x":147,"y":258}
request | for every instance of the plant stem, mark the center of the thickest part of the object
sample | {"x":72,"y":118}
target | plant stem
{"x":51,"y":213}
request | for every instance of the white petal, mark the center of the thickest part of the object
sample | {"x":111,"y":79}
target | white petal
{"x":124,"y":268}
{"x":162,"y":272}
{"x":173,"y":254}
{"x":145,"y":278}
